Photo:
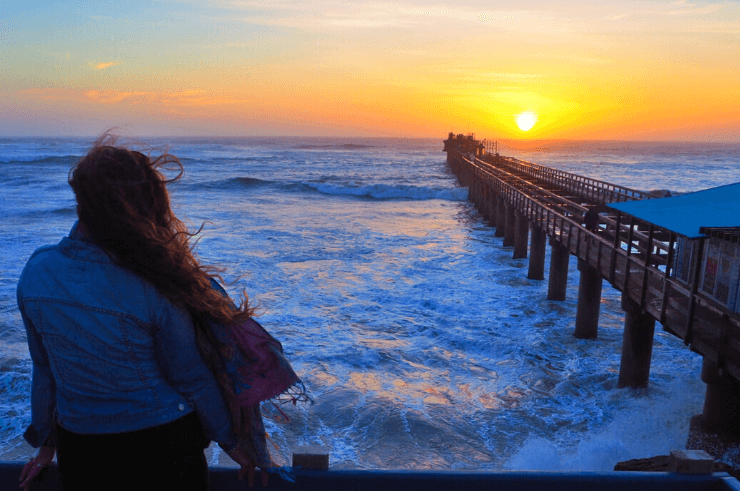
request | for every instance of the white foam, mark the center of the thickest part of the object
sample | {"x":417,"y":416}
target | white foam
{"x":651,"y":424}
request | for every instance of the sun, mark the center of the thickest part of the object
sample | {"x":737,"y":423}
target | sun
{"x":526,"y":120}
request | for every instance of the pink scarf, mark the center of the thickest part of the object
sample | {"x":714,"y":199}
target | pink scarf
{"x":250,"y":367}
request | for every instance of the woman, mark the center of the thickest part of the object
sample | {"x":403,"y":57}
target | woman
{"x":120,"y":391}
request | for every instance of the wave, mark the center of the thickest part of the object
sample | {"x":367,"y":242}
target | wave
{"x":388,"y":191}
{"x":234,"y":183}
{"x":46,"y":159}
{"x":371,"y":191}
{"x":66,"y":211}
{"x":208,"y":159}
{"x":37,"y":215}
{"x":345,"y":146}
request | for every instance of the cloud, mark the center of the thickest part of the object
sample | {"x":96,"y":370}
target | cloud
{"x":319,"y":14}
{"x":102,"y":66}
{"x":691,"y":9}
{"x":578,"y":59}
{"x":46,"y":94}
{"x":511,"y":76}
{"x":680,"y":7}
{"x":188,"y":98}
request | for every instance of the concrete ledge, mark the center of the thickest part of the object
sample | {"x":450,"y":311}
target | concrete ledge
{"x":691,"y":462}
{"x":311,"y":457}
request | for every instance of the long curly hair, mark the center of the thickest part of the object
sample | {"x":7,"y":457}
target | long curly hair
{"x":123,"y":204}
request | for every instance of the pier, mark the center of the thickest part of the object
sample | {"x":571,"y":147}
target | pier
{"x":687,"y":283}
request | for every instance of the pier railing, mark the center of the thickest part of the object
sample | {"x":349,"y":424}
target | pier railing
{"x":636,"y":257}
{"x":592,"y":189}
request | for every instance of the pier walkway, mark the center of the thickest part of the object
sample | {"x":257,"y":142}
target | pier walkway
{"x":658,"y":271}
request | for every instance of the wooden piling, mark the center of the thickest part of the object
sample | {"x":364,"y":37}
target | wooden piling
{"x":559,"y":259}
{"x":492,"y":200}
{"x":500,"y":217}
{"x":537,"y":248}
{"x":488,"y":205}
{"x":717,"y":429}
{"x":722,"y":399}
{"x":510,"y":229}
{"x":637,"y":345}
{"x":589,"y":302}
{"x":521,"y":236}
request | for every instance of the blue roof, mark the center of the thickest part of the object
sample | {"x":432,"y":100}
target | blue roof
{"x":684,"y":214}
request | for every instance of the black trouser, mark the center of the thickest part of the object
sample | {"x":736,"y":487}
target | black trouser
{"x":168,"y":456}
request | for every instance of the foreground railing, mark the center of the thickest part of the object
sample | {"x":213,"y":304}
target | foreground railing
{"x":225,"y":479}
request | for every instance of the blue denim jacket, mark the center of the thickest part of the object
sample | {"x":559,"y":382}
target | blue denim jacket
{"x":110,"y":353}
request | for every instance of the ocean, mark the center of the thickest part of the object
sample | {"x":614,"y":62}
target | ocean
{"x":421,"y":341}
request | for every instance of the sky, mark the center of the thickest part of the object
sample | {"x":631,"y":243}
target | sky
{"x":576,"y":69}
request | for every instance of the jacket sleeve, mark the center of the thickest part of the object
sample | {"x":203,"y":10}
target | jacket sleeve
{"x":43,"y":388}
{"x":184,"y":368}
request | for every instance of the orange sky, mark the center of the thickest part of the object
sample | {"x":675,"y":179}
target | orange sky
{"x":603,"y":70}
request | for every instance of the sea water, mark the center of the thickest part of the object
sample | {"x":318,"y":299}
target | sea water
{"x":421,"y":341}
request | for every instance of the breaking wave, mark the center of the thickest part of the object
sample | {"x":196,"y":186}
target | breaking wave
{"x":387,"y":191}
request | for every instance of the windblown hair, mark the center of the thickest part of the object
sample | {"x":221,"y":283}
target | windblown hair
{"x":123,"y":204}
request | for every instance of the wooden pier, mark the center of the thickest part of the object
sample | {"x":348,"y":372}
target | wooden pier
{"x":658,"y":271}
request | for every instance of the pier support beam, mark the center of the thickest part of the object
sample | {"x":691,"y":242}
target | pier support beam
{"x":637,"y":345}
{"x":490,"y":207}
{"x":722,"y":400}
{"x":500,"y":218}
{"x":537,"y":248}
{"x":492,"y":200}
{"x":559,"y":258}
{"x":589,"y":302}
{"x":521,"y":236}
{"x":717,"y":429}
{"x":510,"y":228}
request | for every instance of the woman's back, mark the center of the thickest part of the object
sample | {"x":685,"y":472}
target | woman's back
{"x":98,"y":323}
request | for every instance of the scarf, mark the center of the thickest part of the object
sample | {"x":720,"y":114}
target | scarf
{"x":250,"y":368}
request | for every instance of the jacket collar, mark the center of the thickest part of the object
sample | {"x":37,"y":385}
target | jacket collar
{"x":79,"y":245}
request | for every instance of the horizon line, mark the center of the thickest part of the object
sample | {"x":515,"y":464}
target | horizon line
{"x":519,"y":140}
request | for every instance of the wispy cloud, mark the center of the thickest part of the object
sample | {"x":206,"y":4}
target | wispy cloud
{"x":330,"y":14}
{"x":690,"y":9}
{"x":677,"y":8}
{"x":188,"y":98}
{"x":102,"y":66}
{"x":47,"y":94}
{"x":577,"y":59}
{"x":511,"y":77}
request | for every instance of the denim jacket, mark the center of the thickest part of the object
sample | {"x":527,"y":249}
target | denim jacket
{"x":110,"y":353}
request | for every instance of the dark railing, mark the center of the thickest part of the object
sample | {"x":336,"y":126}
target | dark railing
{"x":223,"y":479}
{"x":584,"y":187}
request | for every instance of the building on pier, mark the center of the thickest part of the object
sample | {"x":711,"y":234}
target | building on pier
{"x":706,"y":220}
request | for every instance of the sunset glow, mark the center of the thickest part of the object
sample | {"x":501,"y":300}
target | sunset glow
{"x":621,"y":70}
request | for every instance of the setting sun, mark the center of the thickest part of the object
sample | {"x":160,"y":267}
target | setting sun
{"x":526,"y":120}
